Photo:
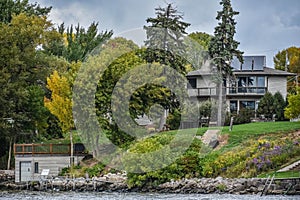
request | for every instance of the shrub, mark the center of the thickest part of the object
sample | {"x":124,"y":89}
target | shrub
{"x":266,"y":106}
{"x":279,"y":106}
{"x":244,"y":116}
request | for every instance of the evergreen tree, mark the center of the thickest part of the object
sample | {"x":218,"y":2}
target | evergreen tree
{"x":74,"y":45}
{"x":266,"y":106}
{"x":165,"y":44}
{"x":279,"y":105}
{"x":223,"y":48}
{"x":164,"y":38}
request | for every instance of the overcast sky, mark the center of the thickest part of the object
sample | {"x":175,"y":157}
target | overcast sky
{"x":264,"y":27}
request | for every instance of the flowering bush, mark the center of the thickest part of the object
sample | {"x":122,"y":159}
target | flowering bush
{"x":254,"y":157}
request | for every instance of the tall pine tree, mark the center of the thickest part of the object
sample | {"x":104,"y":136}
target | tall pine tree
{"x":165,"y":44}
{"x":164,"y":38}
{"x":223,"y":48}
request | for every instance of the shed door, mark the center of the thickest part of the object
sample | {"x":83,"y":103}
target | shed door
{"x":25,"y":171}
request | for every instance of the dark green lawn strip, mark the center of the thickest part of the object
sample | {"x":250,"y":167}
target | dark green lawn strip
{"x":287,"y":174}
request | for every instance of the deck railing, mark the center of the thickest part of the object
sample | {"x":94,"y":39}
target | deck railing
{"x":55,"y":149}
{"x":212,"y":91}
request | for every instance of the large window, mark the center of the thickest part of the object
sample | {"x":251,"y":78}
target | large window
{"x":247,"y":104}
{"x":251,"y":84}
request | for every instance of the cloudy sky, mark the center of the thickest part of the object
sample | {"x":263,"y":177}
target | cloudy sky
{"x":264,"y":27}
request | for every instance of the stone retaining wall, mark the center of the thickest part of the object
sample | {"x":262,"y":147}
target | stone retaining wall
{"x":232,"y":186}
{"x":7,"y":175}
{"x":200,"y":186}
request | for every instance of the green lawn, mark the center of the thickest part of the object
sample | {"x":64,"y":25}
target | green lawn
{"x":288,"y":174}
{"x":243,"y":132}
{"x":239,"y":133}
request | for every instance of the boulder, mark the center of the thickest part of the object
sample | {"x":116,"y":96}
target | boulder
{"x":210,"y":138}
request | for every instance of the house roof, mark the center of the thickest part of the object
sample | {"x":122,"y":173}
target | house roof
{"x":266,"y":71}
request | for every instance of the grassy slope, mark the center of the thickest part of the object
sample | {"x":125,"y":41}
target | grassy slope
{"x":240,"y":133}
{"x":287,"y":174}
{"x":243,"y":132}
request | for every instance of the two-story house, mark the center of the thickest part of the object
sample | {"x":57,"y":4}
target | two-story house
{"x":250,"y":81}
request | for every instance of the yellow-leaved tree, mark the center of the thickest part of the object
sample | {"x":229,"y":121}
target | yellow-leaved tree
{"x":60,"y":103}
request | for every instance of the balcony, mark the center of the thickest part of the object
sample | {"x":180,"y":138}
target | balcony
{"x":49,"y":149}
{"x":246,"y":90}
{"x":202,"y":92}
{"x":230,"y":91}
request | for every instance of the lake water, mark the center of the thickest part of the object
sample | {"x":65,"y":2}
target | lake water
{"x":27,"y":195}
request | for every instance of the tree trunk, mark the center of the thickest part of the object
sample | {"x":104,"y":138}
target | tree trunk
{"x":163,"y":120}
{"x":220,"y":105}
{"x":9,"y":153}
{"x":72,"y":149}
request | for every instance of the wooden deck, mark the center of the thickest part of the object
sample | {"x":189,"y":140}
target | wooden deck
{"x":51,"y":149}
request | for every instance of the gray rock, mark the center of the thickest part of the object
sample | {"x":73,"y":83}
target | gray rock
{"x":210,"y":138}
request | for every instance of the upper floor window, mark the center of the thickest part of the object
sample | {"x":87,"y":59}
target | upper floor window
{"x":192,"y":83}
{"x":251,"y":81}
{"x":251,"y":84}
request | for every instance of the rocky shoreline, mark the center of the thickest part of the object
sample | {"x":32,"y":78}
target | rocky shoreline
{"x":114,"y":183}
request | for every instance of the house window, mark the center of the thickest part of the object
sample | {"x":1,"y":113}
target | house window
{"x":251,"y":84}
{"x":247,"y":104}
{"x":252,"y":81}
{"x":261,"y":83}
{"x":192,"y":83}
{"x":233,"y":106}
{"x":36,"y":167}
{"x":242,"y":84}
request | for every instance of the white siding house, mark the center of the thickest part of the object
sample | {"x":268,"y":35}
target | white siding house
{"x":32,"y":159}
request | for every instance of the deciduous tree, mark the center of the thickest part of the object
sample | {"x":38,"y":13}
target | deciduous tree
{"x":15,"y":7}
{"x":289,"y":60}
{"x":20,"y":72}
{"x":293,"y":108}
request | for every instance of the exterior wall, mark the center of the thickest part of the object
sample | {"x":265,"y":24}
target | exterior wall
{"x":204,"y":87}
{"x":277,"y":84}
{"x":205,"y":82}
{"x":54,"y":163}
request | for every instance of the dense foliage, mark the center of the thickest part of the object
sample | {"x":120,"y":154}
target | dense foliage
{"x":293,"y":108}
{"x":289,"y":60}
{"x":272,"y":106}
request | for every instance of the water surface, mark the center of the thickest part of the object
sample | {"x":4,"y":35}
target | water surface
{"x":131,"y":196}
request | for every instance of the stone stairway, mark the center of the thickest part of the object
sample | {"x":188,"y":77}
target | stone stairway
{"x":293,"y":166}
